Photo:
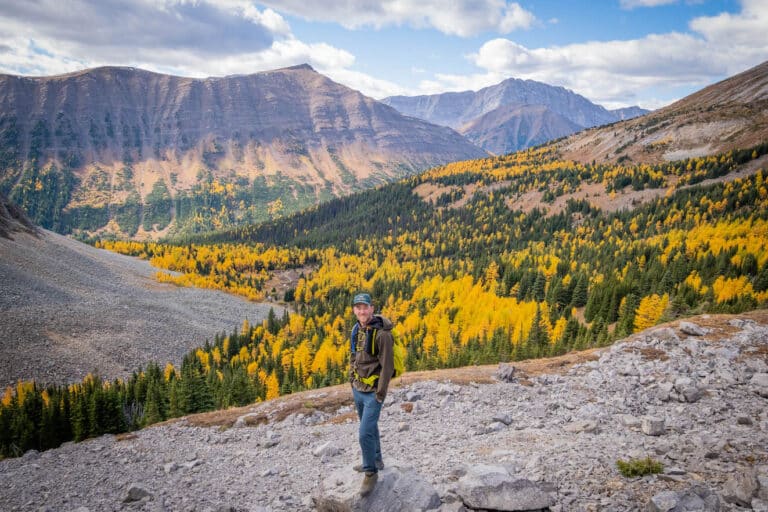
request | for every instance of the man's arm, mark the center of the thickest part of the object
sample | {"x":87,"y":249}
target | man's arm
{"x":387,"y":361}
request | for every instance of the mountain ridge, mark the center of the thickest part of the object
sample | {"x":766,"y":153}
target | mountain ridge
{"x":292,"y":133}
{"x":510,"y":127}
{"x":728,"y":115}
{"x":459,"y":109}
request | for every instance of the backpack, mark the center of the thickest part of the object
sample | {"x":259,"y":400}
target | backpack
{"x":399,"y":352}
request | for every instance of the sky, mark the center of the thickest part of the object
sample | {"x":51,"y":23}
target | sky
{"x":616,"y":53}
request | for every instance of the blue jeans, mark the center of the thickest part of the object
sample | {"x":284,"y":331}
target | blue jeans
{"x":368,"y":409}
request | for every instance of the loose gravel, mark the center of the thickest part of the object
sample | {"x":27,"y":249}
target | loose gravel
{"x":67,"y":309}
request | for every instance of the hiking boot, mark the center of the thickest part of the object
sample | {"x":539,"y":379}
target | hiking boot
{"x":369,"y":482}
{"x":379,"y":466}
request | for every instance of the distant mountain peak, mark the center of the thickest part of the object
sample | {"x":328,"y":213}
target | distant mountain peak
{"x":566,"y":112}
{"x":298,"y":67}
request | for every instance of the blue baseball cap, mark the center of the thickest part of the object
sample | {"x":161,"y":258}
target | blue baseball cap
{"x":362,"y":298}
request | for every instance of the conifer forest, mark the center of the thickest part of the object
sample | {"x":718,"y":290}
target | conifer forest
{"x":467,"y":274}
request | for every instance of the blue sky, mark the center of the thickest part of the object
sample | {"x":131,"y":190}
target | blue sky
{"x":614,"y":52}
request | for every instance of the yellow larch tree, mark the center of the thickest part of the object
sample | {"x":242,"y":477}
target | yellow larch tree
{"x":650,"y":310}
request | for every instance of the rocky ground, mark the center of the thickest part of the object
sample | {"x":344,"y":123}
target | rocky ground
{"x":67,"y":309}
{"x":691,"y":395}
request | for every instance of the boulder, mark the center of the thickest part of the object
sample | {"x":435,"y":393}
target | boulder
{"x":398,"y":488}
{"x":652,"y":426}
{"x":327,"y":449}
{"x":740,"y":488}
{"x":495,"y":488}
{"x":696,"y":499}
{"x":136,"y":492}
{"x":506,"y":373}
{"x":692,"y":329}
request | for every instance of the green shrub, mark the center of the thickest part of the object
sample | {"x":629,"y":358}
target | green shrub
{"x":639,"y":467}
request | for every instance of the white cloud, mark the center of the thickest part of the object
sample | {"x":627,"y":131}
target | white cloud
{"x":459,"y":17}
{"x":368,"y":85}
{"x":738,"y":31}
{"x":616,"y":73}
{"x":185,"y":37}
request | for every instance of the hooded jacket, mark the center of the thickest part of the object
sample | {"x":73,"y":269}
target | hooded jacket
{"x":373,"y":357}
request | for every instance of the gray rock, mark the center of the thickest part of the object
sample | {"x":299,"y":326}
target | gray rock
{"x":494,"y":488}
{"x":271,"y":439}
{"x":652,"y":426}
{"x":246,"y":420}
{"x":762,"y":480}
{"x":692,"y":394}
{"x":741,"y":488}
{"x":760,"y":380}
{"x":327,"y":449}
{"x":587,"y":426}
{"x":665,"y":334}
{"x":136,"y":492}
{"x":742,"y":323}
{"x":506,"y":373}
{"x":629,"y":421}
{"x":664,"y":390}
{"x":692,"y":329}
{"x":695,"y":499}
{"x":412,"y":396}
{"x":397,"y":488}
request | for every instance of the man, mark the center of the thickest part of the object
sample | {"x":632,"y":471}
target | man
{"x":370,"y":370}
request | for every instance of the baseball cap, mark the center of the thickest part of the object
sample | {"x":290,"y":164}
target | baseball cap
{"x":362,"y":298}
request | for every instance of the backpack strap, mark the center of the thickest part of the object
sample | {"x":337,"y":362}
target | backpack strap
{"x":353,"y":338}
{"x":370,"y":342}
{"x":370,"y":347}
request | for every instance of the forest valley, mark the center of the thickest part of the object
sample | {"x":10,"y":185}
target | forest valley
{"x":468,"y":278}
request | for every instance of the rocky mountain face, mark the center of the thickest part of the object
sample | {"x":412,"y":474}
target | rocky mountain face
{"x":112,"y":134}
{"x":511,"y":127}
{"x":460,"y":110}
{"x":628,"y":113}
{"x":689,"y":395}
{"x":732,"y":114}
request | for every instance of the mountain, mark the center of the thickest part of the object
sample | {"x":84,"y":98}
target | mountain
{"x":728,"y":115}
{"x":458,"y":109}
{"x":512,"y":127}
{"x":628,"y":112}
{"x":139,"y":151}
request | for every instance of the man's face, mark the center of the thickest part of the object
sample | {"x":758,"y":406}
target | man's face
{"x":363,"y":312}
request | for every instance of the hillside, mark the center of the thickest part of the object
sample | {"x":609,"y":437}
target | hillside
{"x":512,"y":115}
{"x":728,"y":115}
{"x":67,"y":309}
{"x":128,"y":150}
{"x":687,"y":395}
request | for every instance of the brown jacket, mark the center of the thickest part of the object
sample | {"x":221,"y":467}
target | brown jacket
{"x":363,"y":364}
